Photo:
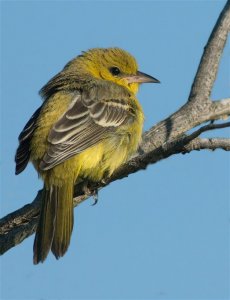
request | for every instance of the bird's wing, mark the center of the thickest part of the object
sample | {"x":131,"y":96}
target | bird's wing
{"x":23,"y":152}
{"x":87,"y":121}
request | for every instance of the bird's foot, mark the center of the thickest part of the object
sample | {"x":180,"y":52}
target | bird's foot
{"x":95,"y":197}
{"x":91,"y":191}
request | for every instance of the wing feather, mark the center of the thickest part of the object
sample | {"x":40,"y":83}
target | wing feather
{"x":22,"y":155}
{"x":86,"y":123}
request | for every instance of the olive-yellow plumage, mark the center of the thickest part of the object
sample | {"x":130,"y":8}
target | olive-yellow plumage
{"x":89,"y":124}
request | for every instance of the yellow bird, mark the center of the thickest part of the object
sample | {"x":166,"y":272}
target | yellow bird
{"x":89,"y":124}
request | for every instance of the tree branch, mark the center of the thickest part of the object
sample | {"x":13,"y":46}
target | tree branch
{"x":210,"y":126}
{"x":166,"y":138}
{"x":208,"y":144}
{"x":220,"y":109}
{"x":208,"y":67}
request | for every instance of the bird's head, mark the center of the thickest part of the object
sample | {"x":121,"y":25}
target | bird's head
{"x":112,"y":64}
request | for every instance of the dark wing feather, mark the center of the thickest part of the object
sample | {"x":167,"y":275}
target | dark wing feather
{"x":23,"y":152}
{"x":85,"y":123}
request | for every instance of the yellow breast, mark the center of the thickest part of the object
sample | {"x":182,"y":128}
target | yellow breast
{"x":104,"y":158}
{"x":93,"y":163}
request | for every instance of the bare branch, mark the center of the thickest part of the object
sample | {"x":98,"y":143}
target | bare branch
{"x":17,"y":226}
{"x":206,"y":128}
{"x":208,"y":67}
{"x":220,"y":109}
{"x":166,"y":138}
{"x":225,"y":100}
{"x":197,"y":108}
{"x":209,"y":144}
{"x":186,"y":118}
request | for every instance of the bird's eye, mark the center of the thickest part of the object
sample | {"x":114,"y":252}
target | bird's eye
{"x":115,"y":71}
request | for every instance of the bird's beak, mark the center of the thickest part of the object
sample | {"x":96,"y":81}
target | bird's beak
{"x":141,"y":77}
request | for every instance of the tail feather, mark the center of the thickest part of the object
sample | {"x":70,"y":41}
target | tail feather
{"x":55,"y":223}
{"x":45,"y":230}
{"x":64,"y":221}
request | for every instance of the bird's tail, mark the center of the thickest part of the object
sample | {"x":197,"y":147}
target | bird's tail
{"x":55,"y":223}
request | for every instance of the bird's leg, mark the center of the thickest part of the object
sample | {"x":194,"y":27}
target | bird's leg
{"x":103,"y":182}
{"x":94,"y":192}
{"x":90,"y":190}
{"x":95,"y":196}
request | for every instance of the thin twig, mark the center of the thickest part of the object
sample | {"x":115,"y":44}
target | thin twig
{"x":208,"y":144}
{"x":208,"y":127}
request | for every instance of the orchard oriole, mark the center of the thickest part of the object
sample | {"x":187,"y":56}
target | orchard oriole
{"x":89,"y":124}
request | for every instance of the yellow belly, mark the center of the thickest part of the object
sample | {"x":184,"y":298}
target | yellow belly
{"x":96,"y":162}
{"x":93,"y":163}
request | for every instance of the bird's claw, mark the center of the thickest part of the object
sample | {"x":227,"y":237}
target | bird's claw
{"x":91,"y":192}
{"x":95,"y":197}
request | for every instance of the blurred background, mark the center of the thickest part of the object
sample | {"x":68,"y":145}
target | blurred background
{"x":162,"y":233}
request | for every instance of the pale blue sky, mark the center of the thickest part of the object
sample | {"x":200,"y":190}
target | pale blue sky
{"x":162,"y":233}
